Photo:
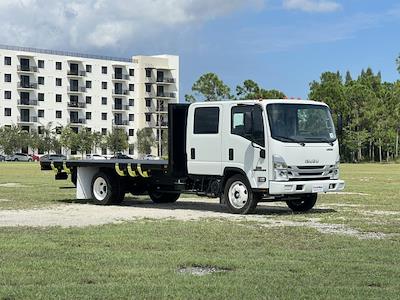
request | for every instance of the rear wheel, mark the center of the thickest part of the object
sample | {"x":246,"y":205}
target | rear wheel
{"x":239,"y":197}
{"x":106,"y":190}
{"x":305,"y":203}
{"x":159,"y":197}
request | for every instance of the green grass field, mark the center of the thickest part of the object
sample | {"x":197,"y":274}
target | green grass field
{"x":139,"y":259}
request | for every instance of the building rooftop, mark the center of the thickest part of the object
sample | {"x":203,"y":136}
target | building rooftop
{"x":64,"y":53}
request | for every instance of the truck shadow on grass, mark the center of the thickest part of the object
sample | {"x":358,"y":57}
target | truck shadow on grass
{"x":262,"y":208}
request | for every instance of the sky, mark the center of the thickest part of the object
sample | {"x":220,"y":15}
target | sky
{"x":280,"y":44}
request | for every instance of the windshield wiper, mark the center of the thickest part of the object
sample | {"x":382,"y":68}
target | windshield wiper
{"x":288,"y":139}
{"x":322,"y":140}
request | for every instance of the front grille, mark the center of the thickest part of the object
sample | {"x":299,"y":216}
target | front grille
{"x":299,"y":173}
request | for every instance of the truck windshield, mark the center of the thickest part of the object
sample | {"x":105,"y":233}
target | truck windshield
{"x":301,"y":123}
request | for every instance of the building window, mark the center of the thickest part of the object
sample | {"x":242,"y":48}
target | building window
{"x":104,"y":70}
{"x":88,"y":115}
{"x":148,"y":102}
{"x":104,"y":85}
{"x":206,"y":120}
{"x":41,"y":113}
{"x":58,"y":97}
{"x":88,"y":99}
{"x":131,"y":72}
{"x":131,"y":102}
{"x":131,"y":87}
{"x":88,"y":84}
{"x":58,"y":81}
{"x":103,"y":151}
{"x":58,"y":65}
{"x":41,"y":96}
{"x":104,"y":116}
{"x":58,"y":130}
{"x":131,"y":117}
{"x":148,"y":72}
{"x":148,"y":88}
{"x":104,"y":132}
{"x":89,"y":68}
{"x":7,"y":94}
{"x":7,"y":112}
{"x":41,"y":80}
{"x":148,"y":117}
{"x":131,"y":149}
{"x":58,"y":114}
{"x":41,"y":64}
{"x":40,"y":129}
{"x":7,"y":77}
{"x":104,"y":100}
{"x":7,"y":61}
{"x":88,"y":129}
{"x":131,"y":132}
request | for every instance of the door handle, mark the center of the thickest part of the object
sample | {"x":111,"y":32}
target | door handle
{"x":230,"y":154}
{"x":192,"y":153}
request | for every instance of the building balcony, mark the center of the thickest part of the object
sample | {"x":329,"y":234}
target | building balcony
{"x":149,"y":80}
{"x":166,"y":95}
{"x":76,"y":73}
{"x":24,"y":102}
{"x":120,"y":107}
{"x":121,"y":92}
{"x":74,"y":89}
{"x":27,"y":119}
{"x":74,"y":104}
{"x":26,"y":69}
{"x":162,"y":110}
{"x":122,"y":77}
{"x":165,"y":80}
{"x":120,"y":122}
{"x":77,"y":121}
{"x":27,"y":86}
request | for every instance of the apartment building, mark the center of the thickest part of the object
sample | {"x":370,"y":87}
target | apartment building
{"x":41,"y":88}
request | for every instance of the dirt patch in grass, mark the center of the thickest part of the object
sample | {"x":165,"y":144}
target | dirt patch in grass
{"x":81,"y":215}
{"x":201,"y":270}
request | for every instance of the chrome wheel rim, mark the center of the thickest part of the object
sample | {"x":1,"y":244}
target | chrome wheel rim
{"x":100,"y":188}
{"x":238,"y":194}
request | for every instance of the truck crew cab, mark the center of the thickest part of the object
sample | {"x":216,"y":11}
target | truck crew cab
{"x":242,"y":152}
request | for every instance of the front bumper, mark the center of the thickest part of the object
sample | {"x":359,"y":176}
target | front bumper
{"x":305,"y":187}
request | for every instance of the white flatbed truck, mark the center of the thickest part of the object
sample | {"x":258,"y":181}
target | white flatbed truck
{"x":242,"y":152}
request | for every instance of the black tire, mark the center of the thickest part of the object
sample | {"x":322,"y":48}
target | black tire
{"x":158,"y":197}
{"x":305,"y":203}
{"x":106,"y":189}
{"x":238,"y":195}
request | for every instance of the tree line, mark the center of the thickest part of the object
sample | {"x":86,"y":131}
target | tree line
{"x":13,"y":138}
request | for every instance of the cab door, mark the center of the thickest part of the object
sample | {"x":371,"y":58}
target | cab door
{"x":245,"y":145}
{"x":203,"y":147}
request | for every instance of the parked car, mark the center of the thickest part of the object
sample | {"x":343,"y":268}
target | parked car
{"x":95,"y":156}
{"x":151,"y":157}
{"x":2,"y":158}
{"x":121,"y":156}
{"x":19,"y":157}
{"x":34,"y":157}
{"x":45,"y":160}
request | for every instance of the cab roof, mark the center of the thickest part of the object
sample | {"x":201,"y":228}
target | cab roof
{"x":261,"y":101}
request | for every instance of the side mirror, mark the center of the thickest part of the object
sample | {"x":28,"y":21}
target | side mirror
{"x":248,"y":122}
{"x":262,"y":153}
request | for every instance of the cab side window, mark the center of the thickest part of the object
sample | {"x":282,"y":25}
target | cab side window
{"x":206,"y":120}
{"x":247,"y":122}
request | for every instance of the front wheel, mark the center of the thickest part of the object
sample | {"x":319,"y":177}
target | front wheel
{"x":305,"y":203}
{"x":106,"y":190}
{"x":238,"y":195}
{"x":159,"y":197}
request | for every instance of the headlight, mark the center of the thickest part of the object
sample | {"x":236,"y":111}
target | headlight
{"x":280,"y":168}
{"x":335,"y":170}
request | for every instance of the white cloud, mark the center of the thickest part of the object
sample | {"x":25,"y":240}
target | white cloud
{"x":77,"y":24}
{"x":312,"y":5}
